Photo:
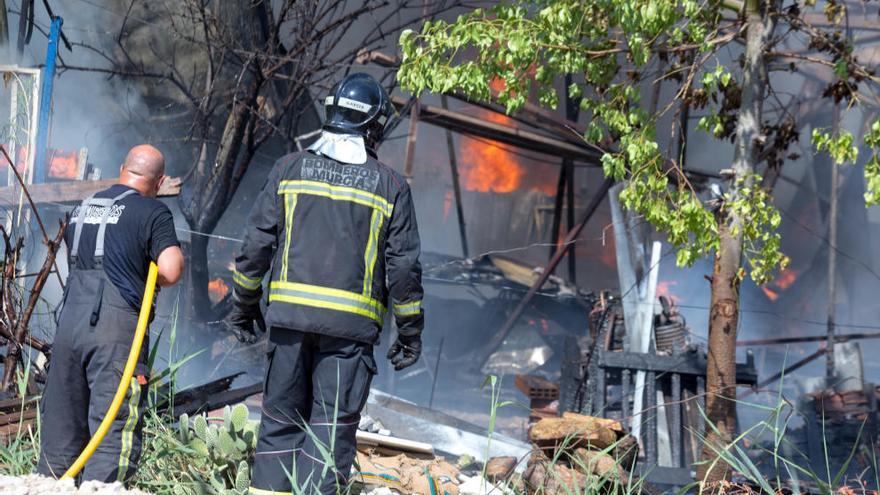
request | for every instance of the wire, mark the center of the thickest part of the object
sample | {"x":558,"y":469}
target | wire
{"x":828,"y":243}
{"x":788,"y":317}
{"x":205,"y":234}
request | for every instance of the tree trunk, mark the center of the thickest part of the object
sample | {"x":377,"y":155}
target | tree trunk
{"x":721,"y":359}
{"x":4,"y":25}
{"x":212,"y":188}
{"x":198,"y":278}
{"x":724,"y":313}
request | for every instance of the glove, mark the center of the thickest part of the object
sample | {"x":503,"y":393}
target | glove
{"x":405,"y":351}
{"x":242,"y":320}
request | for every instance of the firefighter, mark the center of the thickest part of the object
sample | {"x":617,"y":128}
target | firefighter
{"x":111,"y":239}
{"x":338,"y":230}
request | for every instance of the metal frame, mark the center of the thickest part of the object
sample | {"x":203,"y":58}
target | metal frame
{"x":606,"y":389}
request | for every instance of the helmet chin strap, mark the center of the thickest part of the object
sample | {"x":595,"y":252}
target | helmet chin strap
{"x":345,"y":148}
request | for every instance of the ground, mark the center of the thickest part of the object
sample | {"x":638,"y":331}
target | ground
{"x":34,"y":485}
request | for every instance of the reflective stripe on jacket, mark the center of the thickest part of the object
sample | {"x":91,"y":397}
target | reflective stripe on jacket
{"x":342,"y":244}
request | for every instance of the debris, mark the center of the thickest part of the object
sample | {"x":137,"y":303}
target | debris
{"x":372,"y":425}
{"x":523,"y":351}
{"x":367,"y":439}
{"x":577,"y":453}
{"x":378,"y":490}
{"x":500,"y":468}
{"x":600,"y":463}
{"x":547,"y":477}
{"x":573,"y":431}
{"x":476,"y":485}
{"x":543,"y":396}
{"x":407,"y":473}
{"x":447,"y":434}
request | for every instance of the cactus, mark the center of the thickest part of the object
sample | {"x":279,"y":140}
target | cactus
{"x":239,"y":417}
{"x":227,"y":420}
{"x":183,"y":428}
{"x":242,"y":478}
{"x":200,"y":427}
{"x":226,"y":449}
{"x":226,"y":444}
{"x":211,"y":437}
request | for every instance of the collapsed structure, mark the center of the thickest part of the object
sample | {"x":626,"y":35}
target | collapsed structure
{"x":628,"y":359}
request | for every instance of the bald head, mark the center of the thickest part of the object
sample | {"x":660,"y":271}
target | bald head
{"x":143,"y":170}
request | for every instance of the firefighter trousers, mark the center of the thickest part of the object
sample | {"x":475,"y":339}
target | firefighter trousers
{"x":91,"y":346}
{"x":313,"y":394}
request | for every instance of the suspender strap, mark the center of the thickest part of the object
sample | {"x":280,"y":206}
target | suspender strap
{"x":91,"y":201}
{"x":81,"y":220}
{"x":99,"y":241}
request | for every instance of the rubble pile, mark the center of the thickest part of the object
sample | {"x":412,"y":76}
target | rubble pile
{"x":576,"y":451}
{"x":845,"y":406}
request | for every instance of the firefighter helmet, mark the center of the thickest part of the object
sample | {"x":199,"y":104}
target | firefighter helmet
{"x":358,"y":104}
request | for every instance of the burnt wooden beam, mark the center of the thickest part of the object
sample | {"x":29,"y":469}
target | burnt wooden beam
{"x":514,"y":136}
{"x":411,"y":141}
{"x":530,"y":113}
{"x":682,"y":364}
{"x":75,"y":191}
{"x":456,"y":186}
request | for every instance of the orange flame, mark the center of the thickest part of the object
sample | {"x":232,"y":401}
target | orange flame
{"x":664,"y":288}
{"x":491,"y":166}
{"x":488,"y":167}
{"x":217,"y":290}
{"x":447,"y":204}
{"x":770,"y":293}
{"x":497,"y":85}
{"x":63,"y":164}
{"x":786,"y":278}
{"x":782,"y":282}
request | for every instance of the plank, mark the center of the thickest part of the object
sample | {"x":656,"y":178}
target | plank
{"x":75,"y":191}
{"x":514,"y":136}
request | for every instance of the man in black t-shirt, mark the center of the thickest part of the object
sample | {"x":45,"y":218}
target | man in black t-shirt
{"x":111,"y":240}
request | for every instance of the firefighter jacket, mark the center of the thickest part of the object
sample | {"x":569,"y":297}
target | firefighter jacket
{"x":341,"y":246}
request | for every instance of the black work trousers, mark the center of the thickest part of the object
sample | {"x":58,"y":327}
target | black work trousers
{"x":315,"y":389}
{"x":91,"y":346}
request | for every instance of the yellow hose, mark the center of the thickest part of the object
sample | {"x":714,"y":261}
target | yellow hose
{"x":124,"y":383}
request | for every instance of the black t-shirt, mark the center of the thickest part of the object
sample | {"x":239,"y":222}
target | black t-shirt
{"x":138,"y":230}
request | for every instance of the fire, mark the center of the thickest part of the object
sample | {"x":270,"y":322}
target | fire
{"x":217,"y":290}
{"x":664,"y":288}
{"x":447,"y":204}
{"x":771,"y":294}
{"x":497,"y":85}
{"x":63,"y":164}
{"x":786,"y":278}
{"x":488,"y":167}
